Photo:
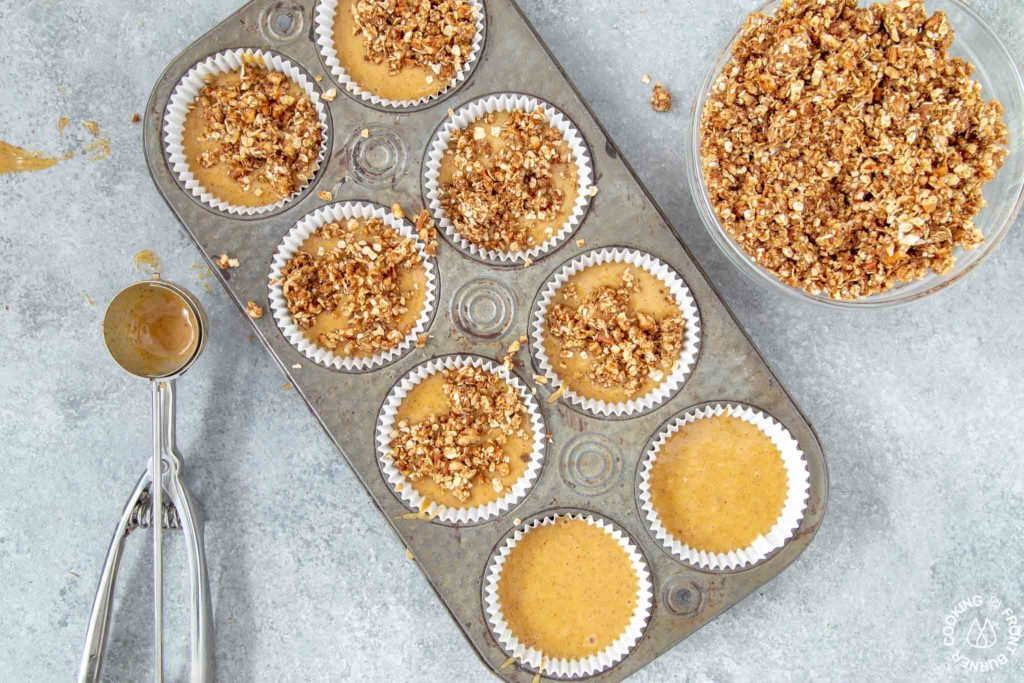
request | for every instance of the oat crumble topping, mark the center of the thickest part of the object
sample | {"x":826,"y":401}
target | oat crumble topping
{"x":491,"y":191}
{"x":359,"y":280}
{"x":465,"y":447}
{"x":436,"y":35}
{"x":661,"y":99}
{"x":263,"y":132}
{"x":843,"y":148}
{"x":625,"y":349}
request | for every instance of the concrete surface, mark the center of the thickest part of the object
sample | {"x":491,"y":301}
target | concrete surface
{"x":918,"y":408}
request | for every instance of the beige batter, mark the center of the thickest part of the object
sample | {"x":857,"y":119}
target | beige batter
{"x":412,"y":282}
{"x":652,"y":297}
{"x":217,"y":179}
{"x":427,"y":399}
{"x":567,"y":589}
{"x":564,"y":178}
{"x":718,"y":483}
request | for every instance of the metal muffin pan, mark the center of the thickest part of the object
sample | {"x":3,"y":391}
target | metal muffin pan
{"x":591,"y":463}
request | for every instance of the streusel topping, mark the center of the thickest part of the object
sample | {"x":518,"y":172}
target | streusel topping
{"x":356,"y":275}
{"x":625,"y":348}
{"x":263,"y":128}
{"x":844,"y":149}
{"x":433,"y":34}
{"x":507,"y":174}
{"x":464,"y":446}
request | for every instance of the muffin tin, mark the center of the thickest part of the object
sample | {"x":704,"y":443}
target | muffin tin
{"x":591,"y":464}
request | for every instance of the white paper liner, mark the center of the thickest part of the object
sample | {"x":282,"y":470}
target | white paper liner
{"x":465,"y":116}
{"x":185,"y":94}
{"x":570,"y":668}
{"x":343,"y":211}
{"x":405,"y":488}
{"x":798,"y":485}
{"x":324,"y":21}
{"x":687,"y":307}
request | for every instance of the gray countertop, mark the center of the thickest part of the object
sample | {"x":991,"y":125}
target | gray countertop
{"x":918,"y":408}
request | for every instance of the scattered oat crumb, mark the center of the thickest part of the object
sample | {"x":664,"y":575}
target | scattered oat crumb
{"x":549,"y":436}
{"x":287,"y":386}
{"x":427,"y":232}
{"x":409,"y":555}
{"x":318,"y":78}
{"x":421,"y":341}
{"x":527,"y":262}
{"x":540,"y":379}
{"x":88,"y":299}
{"x":364,"y":133}
{"x":62,"y":123}
{"x":296,"y":366}
{"x":92,"y":127}
{"x":325,"y":196}
{"x":592,"y":190}
{"x":136,"y":118}
{"x":254,"y":310}
{"x":559,"y":393}
{"x":516,"y":521}
{"x":645,"y":79}
{"x":225,"y":262}
{"x":329,"y":95}
{"x":581,"y":243}
{"x":396,"y":210}
{"x":661,"y":99}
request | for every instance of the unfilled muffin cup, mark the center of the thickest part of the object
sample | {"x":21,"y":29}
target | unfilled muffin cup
{"x":464,"y":117}
{"x":788,"y":521}
{"x":683,"y":299}
{"x":293,"y":241}
{"x":324,"y":22}
{"x":563,"y":667}
{"x":185,"y":94}
{"x":405,"y":489}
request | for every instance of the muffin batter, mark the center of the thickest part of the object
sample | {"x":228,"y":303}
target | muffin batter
{"x":718,"y":483}
{"x":568,"y":589}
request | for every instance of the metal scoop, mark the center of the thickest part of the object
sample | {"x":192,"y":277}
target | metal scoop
{"x":156,"y":330}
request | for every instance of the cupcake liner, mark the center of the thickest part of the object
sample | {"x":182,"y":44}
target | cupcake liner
{"x":324,"y":22}
{"x":403,"y":487}
{"x":683,"y":298}
{"x":464,"y":117}
{"x":184,"y":96}
{"x":343,"y":211}
{"x":798,"y":482}
{"x":561,"y":667}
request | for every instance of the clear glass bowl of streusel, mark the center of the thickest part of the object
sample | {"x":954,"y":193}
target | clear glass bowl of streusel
{"x":994,"y":70}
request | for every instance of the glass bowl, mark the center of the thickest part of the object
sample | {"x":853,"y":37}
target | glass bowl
{"x":995,"y":70}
